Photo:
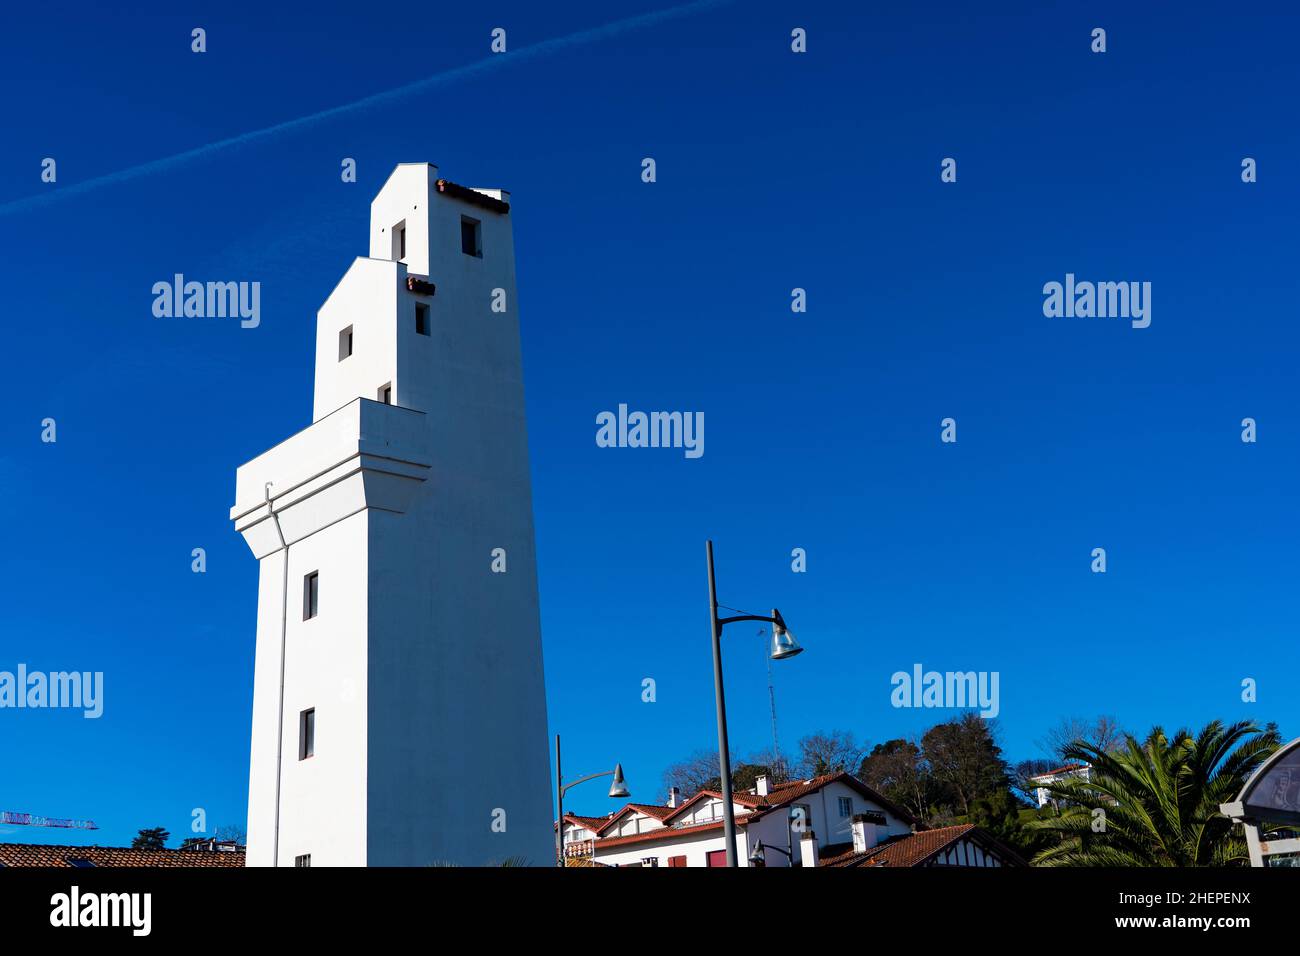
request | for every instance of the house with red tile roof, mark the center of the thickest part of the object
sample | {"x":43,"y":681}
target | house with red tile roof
{"x":834,"y":820}
{"x":1080,"y":770}
{"x":834,"y":816}
{"x":960,"y":846}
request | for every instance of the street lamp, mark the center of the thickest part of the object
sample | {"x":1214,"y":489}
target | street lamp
{"x":783,"y":646}
{"x":617,"y":791}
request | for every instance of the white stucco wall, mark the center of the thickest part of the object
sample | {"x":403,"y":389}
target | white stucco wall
{"x":772,"y":828}
{"x":425,"y":666}
{"x":367,"y":299}
{"x":695,"y":847}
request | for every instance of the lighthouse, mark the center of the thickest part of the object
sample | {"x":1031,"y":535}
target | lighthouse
{"x":399,"y":709}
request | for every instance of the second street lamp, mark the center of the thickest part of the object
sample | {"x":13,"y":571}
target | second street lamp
{"x":617,"y":791}
{"x":784,"y":646}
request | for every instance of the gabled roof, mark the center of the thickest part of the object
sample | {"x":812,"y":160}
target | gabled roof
{"x":660,"y":833}
{"x":594,"y":824}
{"x":917,"y":849}
{"x":33,"y":854}
{"x":757,"y":807}
{"x":653,"y":810}
{"x":645,"y":809}
{"x":787,"y":793}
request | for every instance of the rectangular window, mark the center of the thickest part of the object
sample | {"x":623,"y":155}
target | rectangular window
{"x":471,"y":236}
{"x":310,"y":595}
{"x":302,"y":860}
{"x":422,"y":318}
{"x":345,"y":343}
{"x":307,"y":733}
{"x":386,"y":394}
{"x":846,"y":806}
{"x":677,"y":860}
{"x":650,"y":861}
{"x":399,"y":241}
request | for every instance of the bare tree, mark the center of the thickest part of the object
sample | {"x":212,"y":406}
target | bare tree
{"x":231,"y":832}
{"x":693,"y":774}
{"x":1102,"y":732}
{"x":836,"y":752}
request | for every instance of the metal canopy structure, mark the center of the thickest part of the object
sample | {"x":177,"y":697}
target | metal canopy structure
{"x":1271,"y":796}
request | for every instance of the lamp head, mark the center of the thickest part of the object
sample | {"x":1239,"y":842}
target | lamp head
{"x":618,"y":789}
{"x":783,"y":643}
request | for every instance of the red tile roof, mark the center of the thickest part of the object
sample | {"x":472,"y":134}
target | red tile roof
{"x":660,"y":833}
{"x":472,"y":196}
{"x":917,"y":849}
{"x":645,"y":809}
{"x":594,"y":824}
{"x":757,"y":806}
{"x":32,"y":854}
{"x":1068,"y":768}
{"x":786,"y":793}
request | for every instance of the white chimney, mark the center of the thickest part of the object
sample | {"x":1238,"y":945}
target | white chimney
{"x":864,"y":833}
{"x":760,"y":785}
{"x":808,"y":852}
{"x":674,"y":797}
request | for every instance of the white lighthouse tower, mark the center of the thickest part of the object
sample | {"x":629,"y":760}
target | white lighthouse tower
{"x":399,"y":710}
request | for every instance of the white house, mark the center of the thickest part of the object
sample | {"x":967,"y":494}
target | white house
{"x":831,"y":820}
{"x":398,"y":639}
{"x":1080,"y":770}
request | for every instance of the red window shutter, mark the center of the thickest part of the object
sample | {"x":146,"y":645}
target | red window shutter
{"x":677,"y":861}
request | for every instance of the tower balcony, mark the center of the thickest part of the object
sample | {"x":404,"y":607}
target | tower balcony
{"x":364,"y":455}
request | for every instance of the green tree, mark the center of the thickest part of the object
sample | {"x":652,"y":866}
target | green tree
{"x":154,"y":838}
{"x":965,"y":759}
{"x":898,"y":770}
{"x":1156,"y":803}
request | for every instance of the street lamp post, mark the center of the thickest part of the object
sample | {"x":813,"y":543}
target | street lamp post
{"x":783,"y":646}
{"x":617,"y":789}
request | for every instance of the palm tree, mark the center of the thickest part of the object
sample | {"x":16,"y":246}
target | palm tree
{"x":1158,"y":800}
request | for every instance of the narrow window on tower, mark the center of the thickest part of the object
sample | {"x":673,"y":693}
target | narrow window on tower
{"x":422,"y":318}
{"x":302,"y":860}
{"x":399,"y":241}
{"x":310,"y":595}
{"x":345,"y":343}
{"x":471,"y":236}
{"x":307,"y":733}
{"x":386,"y":394}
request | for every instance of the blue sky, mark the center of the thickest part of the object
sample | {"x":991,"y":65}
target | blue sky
{"x":775,"y":171}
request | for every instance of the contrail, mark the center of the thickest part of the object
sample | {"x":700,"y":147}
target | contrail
{"x":533,"y":52}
